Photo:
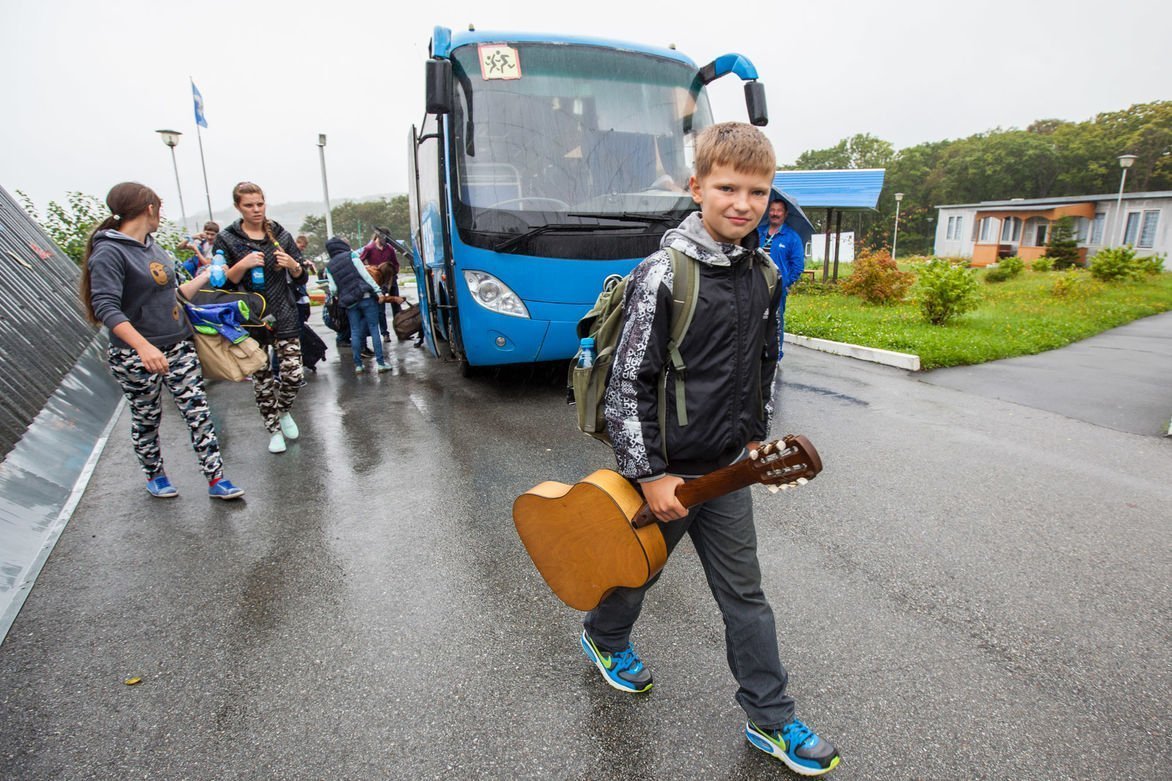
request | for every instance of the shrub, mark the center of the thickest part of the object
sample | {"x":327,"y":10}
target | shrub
{"x":1042,"y":264}
{"x":1063,"y":247}
{"x":877,"y":280}
{"x":1012,"y":266}
{"x":813,"y":287}
{"x":1115,"y":264}
{"x":1074,"y":284}
{"x":997,"y":275}
{"x":1150,"y":265}
{"x":946,"y":291}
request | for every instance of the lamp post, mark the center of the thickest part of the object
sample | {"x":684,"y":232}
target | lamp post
{"x":1125,"y":162}
{"x":171,"y":139}
{"x":895,"y":234}
{"x":325,"y":189}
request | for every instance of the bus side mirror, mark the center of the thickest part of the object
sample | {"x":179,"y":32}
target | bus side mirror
{"x":439,"y":86}
{"x":755,"y":103}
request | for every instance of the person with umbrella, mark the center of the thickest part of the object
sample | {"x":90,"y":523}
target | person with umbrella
{"x":785,"y":246}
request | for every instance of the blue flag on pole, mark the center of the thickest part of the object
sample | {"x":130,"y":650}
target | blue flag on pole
{"x":195,"y":96}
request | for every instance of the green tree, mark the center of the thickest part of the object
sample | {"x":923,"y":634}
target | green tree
{"x":1063,"y":247}
{"x":355,"y":221}
{"x":69,"y":225}
{"x":1051,"y":157}
{"x":859,"y":151}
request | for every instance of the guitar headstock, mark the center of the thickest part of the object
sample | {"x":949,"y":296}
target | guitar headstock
{"x":793,"y":460}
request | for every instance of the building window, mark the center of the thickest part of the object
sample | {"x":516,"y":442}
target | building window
{"x":1097,"y":229}
{"x":1081,"y":226}
{"x":1147,"y":233}
{"x":987,"y":229}
{"x":959,"y":224}
{"x":1035,"y":232}
{"x":1011,"y":229}
{"x":1129,"y":233}
{"x":951,"y":226}
{"x":1040,"y":234}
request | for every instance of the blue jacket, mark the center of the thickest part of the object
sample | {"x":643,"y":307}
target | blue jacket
{"x":787,"y":251}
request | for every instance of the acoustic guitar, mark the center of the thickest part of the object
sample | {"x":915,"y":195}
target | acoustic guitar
{"x":592,"y":537}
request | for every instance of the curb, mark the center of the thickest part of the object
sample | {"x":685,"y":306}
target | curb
{"x":872,"y":354}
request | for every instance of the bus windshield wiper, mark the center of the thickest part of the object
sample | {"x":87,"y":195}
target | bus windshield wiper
{"x":556,"y":227}
{"x":629,"y":216}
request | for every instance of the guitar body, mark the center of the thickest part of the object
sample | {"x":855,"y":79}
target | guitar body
{"x":590,"y":538}
{"x":582,"y":540}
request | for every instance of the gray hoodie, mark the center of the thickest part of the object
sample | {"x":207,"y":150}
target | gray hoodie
{"x":135,"y":283}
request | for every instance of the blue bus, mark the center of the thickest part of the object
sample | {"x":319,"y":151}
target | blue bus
{"x":543,"y":166}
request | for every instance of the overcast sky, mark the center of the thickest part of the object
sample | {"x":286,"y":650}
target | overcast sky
{"x":84,"y":85}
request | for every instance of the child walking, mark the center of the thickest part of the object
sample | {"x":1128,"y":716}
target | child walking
{"x":731,"y":352}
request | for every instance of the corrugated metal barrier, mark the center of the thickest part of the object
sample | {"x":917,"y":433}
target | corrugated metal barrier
{"x":57,"y":401}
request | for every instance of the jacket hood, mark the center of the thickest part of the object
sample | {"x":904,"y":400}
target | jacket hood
{"x":121,"y":238}
{"x":694,"y":240}
{"x":338,"y":246}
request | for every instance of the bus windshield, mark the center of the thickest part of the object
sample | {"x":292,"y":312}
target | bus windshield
{"x":561,"y":133}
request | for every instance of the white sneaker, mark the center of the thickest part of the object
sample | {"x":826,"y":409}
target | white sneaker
{"x":277,"y":443}
{"x":289,"y":427}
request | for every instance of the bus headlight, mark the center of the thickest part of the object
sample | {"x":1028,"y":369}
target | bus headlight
{"x":494,"y":295}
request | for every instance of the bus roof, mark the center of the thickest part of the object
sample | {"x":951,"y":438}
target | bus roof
{"x":444,"y":41}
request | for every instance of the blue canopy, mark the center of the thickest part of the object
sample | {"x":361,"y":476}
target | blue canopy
{"x":856,"y":188}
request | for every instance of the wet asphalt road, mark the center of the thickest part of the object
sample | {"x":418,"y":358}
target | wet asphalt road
{"x":973,"y":589}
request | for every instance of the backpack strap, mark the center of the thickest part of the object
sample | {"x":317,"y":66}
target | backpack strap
{"x":685,"y":285}
{"x":769,"y":270}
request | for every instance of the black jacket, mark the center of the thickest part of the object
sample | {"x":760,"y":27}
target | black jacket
{"x":280,"y":292}
{"x":730,"y":351}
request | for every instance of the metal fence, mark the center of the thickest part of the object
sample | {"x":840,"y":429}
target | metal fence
{"x":42,"y":329}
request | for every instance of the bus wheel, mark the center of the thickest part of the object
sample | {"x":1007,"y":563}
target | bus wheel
{"x":468,"y":370}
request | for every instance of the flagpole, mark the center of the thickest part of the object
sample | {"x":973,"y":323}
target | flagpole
{"x":200,"y":120}
{"x":206,"y":191}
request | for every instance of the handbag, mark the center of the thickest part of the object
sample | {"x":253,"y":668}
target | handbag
{"x":408,"y":322}
{"x":223,"y":360}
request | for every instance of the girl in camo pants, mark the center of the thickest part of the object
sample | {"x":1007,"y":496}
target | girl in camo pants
{"x":128,"y":285}
{"x":255,"y":243}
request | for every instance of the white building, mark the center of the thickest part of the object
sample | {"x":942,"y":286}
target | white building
{"x":991,"y":230}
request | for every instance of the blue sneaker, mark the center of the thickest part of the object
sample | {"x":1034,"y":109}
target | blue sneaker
{"x":623,"y":670}
{"x":223,"y":489}
{"x":162,"y":488}
{"x":797,"y":746}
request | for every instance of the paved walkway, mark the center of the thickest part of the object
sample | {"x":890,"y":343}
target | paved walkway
{"x":1120,"y":379}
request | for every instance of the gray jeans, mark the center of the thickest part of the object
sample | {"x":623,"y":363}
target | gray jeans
{"x":725,"y":539}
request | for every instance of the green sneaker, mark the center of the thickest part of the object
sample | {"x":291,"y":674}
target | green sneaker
{"x":797,"y":746}
{"x":623,"y":670}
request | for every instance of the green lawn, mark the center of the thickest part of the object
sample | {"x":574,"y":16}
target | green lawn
{"x":1017,"y":317}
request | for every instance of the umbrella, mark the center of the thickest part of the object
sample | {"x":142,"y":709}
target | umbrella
{"x":794,"y":217}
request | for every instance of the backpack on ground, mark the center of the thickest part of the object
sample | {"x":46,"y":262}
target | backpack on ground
{"x":604,"y":323}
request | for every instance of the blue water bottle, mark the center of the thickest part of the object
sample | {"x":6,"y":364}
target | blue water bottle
{"x":586,"y":353}
{"x":219,"y":269}
{"x":257,"y":275}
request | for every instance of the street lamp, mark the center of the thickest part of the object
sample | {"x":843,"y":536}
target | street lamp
{"x":1125,"y":162}
{"x":895,"y":235}
{"x":171,"y":139}
{"x":325,"y":189}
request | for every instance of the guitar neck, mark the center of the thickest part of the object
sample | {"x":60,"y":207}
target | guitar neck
{"x":692,"y":492}
{"x":723,"y":481}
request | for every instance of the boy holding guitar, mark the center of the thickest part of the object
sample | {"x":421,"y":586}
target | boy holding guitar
{"x":730,"y":351}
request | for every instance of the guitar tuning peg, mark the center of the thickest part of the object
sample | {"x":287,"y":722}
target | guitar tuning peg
{"x":770,"y":448}
{"x":802,"y":481}
{"x":753,"y":454}
{"x":772,"y":488}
